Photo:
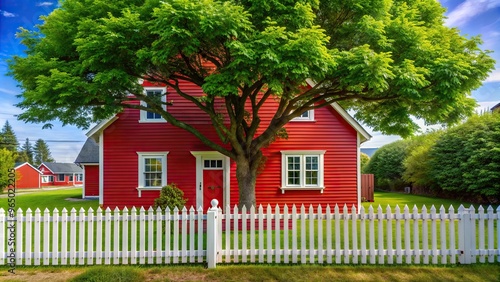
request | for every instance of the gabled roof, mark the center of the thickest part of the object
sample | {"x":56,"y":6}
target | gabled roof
{"x":89,"y":152}
{"x":365,"y":136}
{"x":20,"y":164}
{"x":59,"y":168}
{"x":497,"y":106}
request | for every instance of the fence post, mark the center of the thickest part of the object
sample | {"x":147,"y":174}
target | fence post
{"x":465,"y":227}
{"x":212,"y":220}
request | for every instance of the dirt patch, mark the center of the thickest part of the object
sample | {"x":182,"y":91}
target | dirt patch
{"x":40,"y":276}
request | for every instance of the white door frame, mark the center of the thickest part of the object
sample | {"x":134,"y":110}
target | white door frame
{"x":200,"y":157}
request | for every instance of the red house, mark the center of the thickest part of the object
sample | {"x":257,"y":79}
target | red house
{"x":88,"y":159}
{"x":27,"y":176}
{"x":61,"y":174}
{"x":139,"y":152}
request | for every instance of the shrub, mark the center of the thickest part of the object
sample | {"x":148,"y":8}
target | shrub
{"x":170,"y":196}
{"x":365,"y":159}
{"x":417,"y":162}
{"x":387,"y":165}
{"x":466,"y":159}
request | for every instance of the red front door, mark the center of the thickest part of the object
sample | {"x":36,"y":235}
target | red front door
{"x":213,"y":181}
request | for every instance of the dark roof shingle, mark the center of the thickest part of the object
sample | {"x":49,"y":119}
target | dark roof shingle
{"x":89,"y":152}
{"x":58,"y":168}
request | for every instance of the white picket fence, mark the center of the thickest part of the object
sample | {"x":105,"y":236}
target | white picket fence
{"x":262,"y":235}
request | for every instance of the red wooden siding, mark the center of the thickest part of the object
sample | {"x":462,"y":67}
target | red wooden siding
{"x":91,"y":180}
{"x":328,"y":132}
{"x":126,"y":136}
{"x":27,"y":177}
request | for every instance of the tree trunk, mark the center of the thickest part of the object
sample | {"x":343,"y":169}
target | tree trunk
{"x":246,"y":174}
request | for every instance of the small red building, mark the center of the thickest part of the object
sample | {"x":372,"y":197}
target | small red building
{"x":88,"y":159}
{"x":27,"y":176}
{"x":139,"y":152}
{"x":61,"y":174}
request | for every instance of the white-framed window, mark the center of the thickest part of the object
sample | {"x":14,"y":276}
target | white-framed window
{"x":302,"y":170}
{"x":79,"y":177}
{"x":156,"y":93}
{"x":70,"y":177}
{"x":47,"y":178}
{"x":305,"y":116}
{"x":152,"y":170}
{"x":60,"y":177}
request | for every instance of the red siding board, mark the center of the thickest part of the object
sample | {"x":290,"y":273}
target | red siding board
{"x":27,"y":177}
{"x":127,"y":136}
{"x":91,"y":180}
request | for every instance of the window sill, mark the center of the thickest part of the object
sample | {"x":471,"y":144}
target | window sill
{"x":283,"y":189}
{"x":152,"y":121}
{"x":140,"y":189}
{"x":302,"y":120}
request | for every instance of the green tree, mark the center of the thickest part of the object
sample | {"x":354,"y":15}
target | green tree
{"x":365,"y":159}
{"x":26,"y":152}
{"x":387,"y":165}
{"x":8,"y":139}
{"x":388,"y":60}
{"x":7,"y":161}
{"x":417,"y":163}
{"x":466,"y":158}
{"x":41,"y":152}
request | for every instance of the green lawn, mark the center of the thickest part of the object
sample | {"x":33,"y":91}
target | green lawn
{"x":264,"y":272}
{"x":392,"y":199}
{"x":62,"y":198}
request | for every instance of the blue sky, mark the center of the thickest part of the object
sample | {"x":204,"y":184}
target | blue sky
{"x":472,"y":17}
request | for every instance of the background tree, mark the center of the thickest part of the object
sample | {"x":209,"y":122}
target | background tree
{"x":7,"y":161}
{"x":388,"y":60}
{"x":8,"y":139}
{"x":365,"y":159}
{"x":26,"y":152}
{"x":41,"y":152}
{"x":387,"y":165}
{"x":466,"y":159}
{"x":417,"y":168}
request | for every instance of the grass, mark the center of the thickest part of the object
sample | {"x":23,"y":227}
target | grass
{"x":62,"y":198}
{"x":392,"y":199}
{"x":256,"y":273}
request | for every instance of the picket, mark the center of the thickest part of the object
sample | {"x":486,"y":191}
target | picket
{"x":269,"y":235}
{"x":90,"y":236}
{"x":27,"y":248}
{"x":55,"y":236}
{"x":36,"y":232}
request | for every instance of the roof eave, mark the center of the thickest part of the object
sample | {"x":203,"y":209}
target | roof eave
{"x":96,"y":130}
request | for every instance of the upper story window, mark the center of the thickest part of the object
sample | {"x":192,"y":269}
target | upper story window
{"x":306,"y":116}
{"x":154,"y":93}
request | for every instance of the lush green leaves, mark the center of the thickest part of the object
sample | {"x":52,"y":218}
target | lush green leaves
{"x":387,"y":164}
{"x":7,"y":161}
{"x":466,"y":158}
{"x":170,"y":197}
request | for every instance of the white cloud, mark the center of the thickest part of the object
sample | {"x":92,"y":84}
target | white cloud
{"x":494,"y":76}
{"x":8,"y":91}
{"x":7,"y":14}
{"x":469,"y":9}
{"x":44,"y":4}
